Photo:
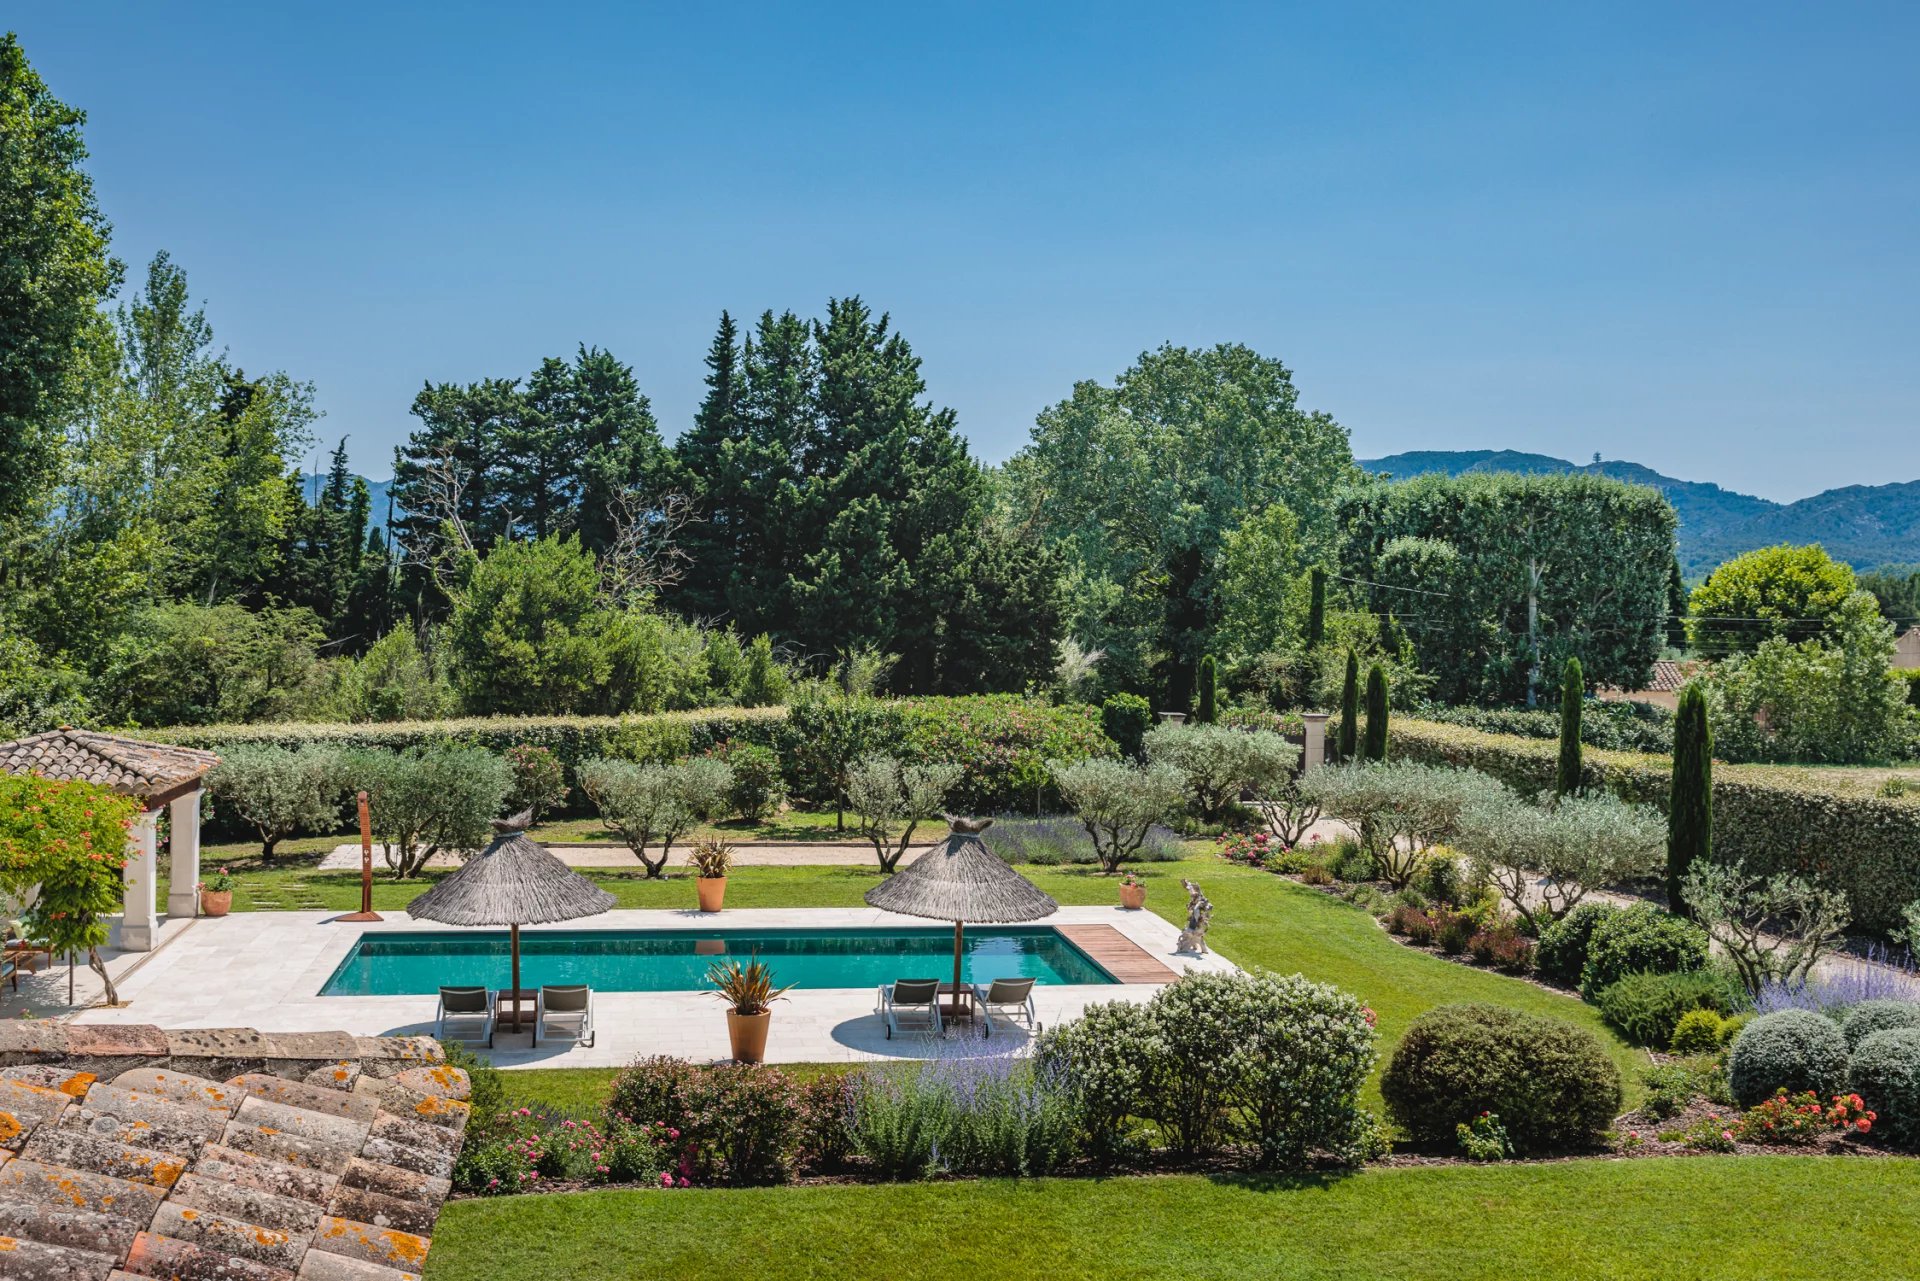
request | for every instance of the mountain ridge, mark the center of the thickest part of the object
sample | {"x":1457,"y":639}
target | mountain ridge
{"x":1864,"y":525}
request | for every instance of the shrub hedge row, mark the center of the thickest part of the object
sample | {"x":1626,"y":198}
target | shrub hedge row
{"x":1828,"y":823}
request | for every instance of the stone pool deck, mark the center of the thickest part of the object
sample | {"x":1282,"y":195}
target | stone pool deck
{"x":265,"y":970}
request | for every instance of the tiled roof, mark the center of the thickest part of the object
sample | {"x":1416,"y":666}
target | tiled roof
{"x":1670,"y":677}
{"x":127,"y":1151}
{"x":126,"y":765}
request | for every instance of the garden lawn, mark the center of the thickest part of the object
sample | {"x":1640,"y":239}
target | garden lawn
{"x":1671,"y":1219}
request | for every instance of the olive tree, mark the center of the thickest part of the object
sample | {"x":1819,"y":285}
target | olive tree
{"x":707,"y":784}
{"x":278,"y":791}
{"x":642,"y":804}
{"x":1774,"y":928}
{"x":1118,"y":803}
{"x":890,"y":800}
{"x":1544,"y":859}
{"x":1218,"y":764}
{"x":1401,"y":810}
{"x":429,"y":800}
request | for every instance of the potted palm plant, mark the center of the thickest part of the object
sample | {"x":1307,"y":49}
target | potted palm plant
{"x":1133,"y":893}
{"x":712,"y":856}
{"x":216,"y":894}
{"x":749,"y":993}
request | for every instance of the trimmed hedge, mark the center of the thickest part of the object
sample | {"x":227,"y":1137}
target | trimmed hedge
{"x":1886,"y":1074}
{"x":1792,"y":1050}
{"x":1828,"y":823}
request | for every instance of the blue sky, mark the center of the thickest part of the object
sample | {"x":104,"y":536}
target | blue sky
{"x":1680,"y":234}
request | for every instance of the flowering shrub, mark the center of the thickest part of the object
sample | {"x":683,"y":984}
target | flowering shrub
{"x":539,"y":779}
{"x":519,"y":1150}
{"x":1484,"y":1138}
{"x":1503,"y":947}
{"x":1105,"y":1057}
{"x":1797,"y":1119}
{"x":965,"y":1114}
{"x":1250,"y":848}
{"x":1708,"y":1134}
{"x":737,"y":1123}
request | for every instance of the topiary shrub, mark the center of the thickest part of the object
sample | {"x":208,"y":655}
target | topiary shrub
{"x":1550,"y":1082}
{"x":1641,"y":939}
{"x":1793,"y":1050}
{"x":1126,"y":718}
{"x":1886,"y":1075}
{"x":1699,"y":1031}
{"x":1647,"y":1008}
{"x":1563,"y":945}
{"x":1868,"y":1017}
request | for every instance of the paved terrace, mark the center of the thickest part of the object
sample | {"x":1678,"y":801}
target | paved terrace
{"x":266,"y":970}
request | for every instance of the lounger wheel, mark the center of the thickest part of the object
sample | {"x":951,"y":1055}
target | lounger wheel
{"x":889,"y":1034}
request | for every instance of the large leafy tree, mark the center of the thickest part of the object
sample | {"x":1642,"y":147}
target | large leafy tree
{"x":54,"y":271}
{"x":1141,"y":483}
{"x":1499,"y":579}
{"x":1793,"y":593}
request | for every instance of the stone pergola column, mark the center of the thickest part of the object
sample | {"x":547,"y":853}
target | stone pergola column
{"x":183,"y":848}
{"x":139,"y":927}
{"x":1315,"y":754}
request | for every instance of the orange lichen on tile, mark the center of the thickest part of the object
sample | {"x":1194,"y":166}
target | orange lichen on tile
{"x":78,"y":1084}
{"x":10,"y":1126}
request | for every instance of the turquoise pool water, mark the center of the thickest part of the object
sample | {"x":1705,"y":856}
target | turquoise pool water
{"x":418,"y":962}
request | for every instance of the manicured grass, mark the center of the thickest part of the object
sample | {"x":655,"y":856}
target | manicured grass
{"x":1677,"y":1219}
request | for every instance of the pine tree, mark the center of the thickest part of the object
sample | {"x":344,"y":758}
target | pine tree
{"x":1375,"y":746}
{"x":1316,"y":608}
{"x":1204,"y":708}
{"x":1690,"y":819}
{"x":1573,"y":691}
{"x":705,"y":455}
{"x":1349,"y":744}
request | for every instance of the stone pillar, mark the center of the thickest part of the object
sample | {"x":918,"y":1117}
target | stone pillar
{"x":1315,"y":754}
{"x":139,"y":926}
{"x":183,"y":848}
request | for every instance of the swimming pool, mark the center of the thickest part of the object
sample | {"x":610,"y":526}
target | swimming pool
{"x":418,"y":962}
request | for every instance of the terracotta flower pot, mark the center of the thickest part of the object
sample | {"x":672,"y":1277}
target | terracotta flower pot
{"x":1133,"y":897}
{"x":215,"y":902}
{"x":712,"y":890}
{"x":748,"y":1034}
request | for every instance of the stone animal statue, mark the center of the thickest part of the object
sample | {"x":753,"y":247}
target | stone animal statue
{"x":968,"y":826}
{"x":1199,"y":917}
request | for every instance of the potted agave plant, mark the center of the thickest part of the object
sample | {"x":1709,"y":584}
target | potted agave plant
{"x":712,"y":857}
{"x":749,"y":993}
{"x":1133,"y":892}
{"x":216,"y":894}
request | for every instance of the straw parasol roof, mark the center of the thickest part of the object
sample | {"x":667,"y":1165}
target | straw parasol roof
{"x":514,"y":881}
{"x":960,"y":879}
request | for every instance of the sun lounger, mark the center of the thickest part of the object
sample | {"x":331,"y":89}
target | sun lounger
{"x":566,"y":1014}
{"x":911,"y":1001}
{"x":1010,"y":999}
{"x":464,"y":1010}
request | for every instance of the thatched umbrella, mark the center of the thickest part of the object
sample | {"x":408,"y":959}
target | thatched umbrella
{"x":513,"y":882}
{"x":961,"y":880}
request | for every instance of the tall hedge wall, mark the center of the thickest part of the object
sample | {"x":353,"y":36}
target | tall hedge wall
{"x":1829,"y":823}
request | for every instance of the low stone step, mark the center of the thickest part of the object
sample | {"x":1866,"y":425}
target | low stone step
{"x":83,"y":1151}
{"x":248,"y":1170}
{"x":222,"y":1234}
{"x":37,"y":1183}
{"x":322,"y":1266}
{"x":250,"y":1205}
{"x":288,"y":1149}
{"x":169,"y":1259}
{"x":25,"y":1107}
{"x":367,"y":1206}
{"x":340,"y":1102}
{"x":53,"y":1076}
{"x":95,"y":1231}
{"x":264,"y":1114}
{"x":402,"y":1251}
{"x":178,"y":1087}
{"x":26,"y":1260}
{"x":394,"y":1181}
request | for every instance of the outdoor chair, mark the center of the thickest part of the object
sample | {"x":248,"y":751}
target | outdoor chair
{"x":1011,"y":999}
{"x":464,"y":1009}
{"x":914,"y":1001}
{"x":569,"y":1010}
{"x":21,"y":953}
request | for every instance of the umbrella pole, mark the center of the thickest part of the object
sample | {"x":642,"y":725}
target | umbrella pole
{"x":957,"y":928}
{"x":514,"y":933}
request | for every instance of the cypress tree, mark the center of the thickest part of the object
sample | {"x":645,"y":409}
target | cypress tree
{"x":1349,"y":743}
{"x":1317,"y":608}
{"x":1375,"y":746}
{"x":1205,"y":707}
{"x":1573,"y":689}
{"x":1690,"y":820}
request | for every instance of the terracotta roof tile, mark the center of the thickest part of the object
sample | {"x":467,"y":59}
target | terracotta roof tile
{"x":126,"y":765}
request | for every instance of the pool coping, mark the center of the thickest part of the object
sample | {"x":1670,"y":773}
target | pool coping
{"x":265,"y":970}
